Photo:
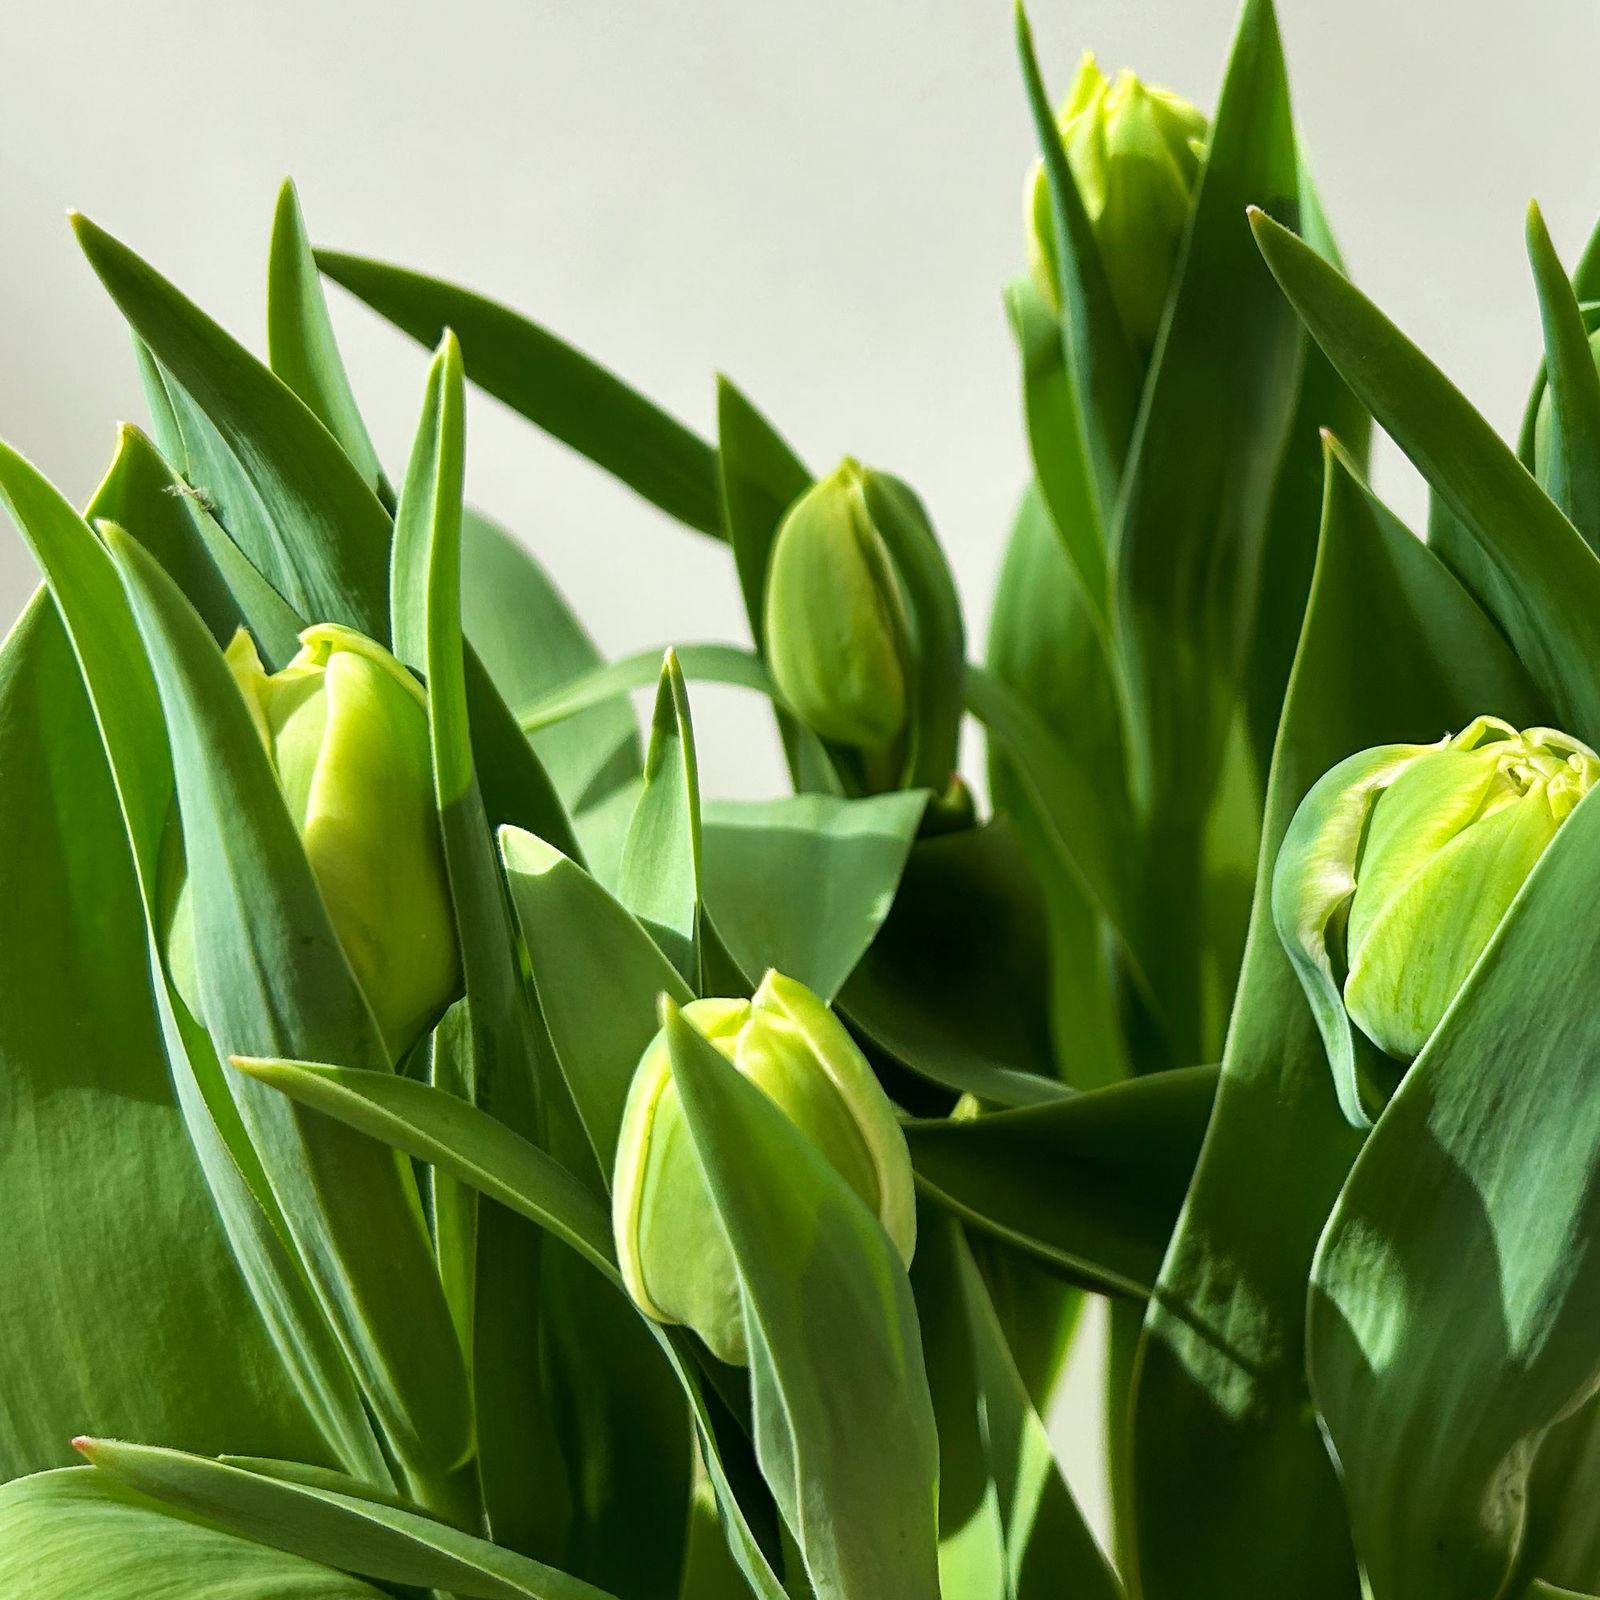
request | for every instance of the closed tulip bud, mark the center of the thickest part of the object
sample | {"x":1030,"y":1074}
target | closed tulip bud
{"x":674,"y":1256}
{"x":1420,"y":850}
{"x":346,"y":726}
{"x":836,"y":631}
{"x":1135,"y":156}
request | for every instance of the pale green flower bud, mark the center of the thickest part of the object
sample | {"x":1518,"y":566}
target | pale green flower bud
{"x":836,"y":631}
{"x":1419,"y":852}
{"x":674,"y":1255}
{"x":346,"y":726}
{"x":1135,"y":154}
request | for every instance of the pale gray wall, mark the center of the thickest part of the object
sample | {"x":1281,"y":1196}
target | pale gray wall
{"x":819,"y":197}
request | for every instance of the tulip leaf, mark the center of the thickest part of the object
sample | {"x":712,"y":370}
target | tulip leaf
{"x":1523,"y":560}
{"x":803,"y":883}
{"x":1393,"y":649}
{"x":598,"y":975}
{"x":275,"y":982}
{"x":1572,"y":477}
{"x":279,"y":482}
{"x":715,"y":663}
{"x":78,"y":1532}
{"x":956,"y":984}
{"x":1454,"y":1296}
{"x":1098,"y":358}
{"x":301,"y":348}
{"x":659,"y":881}
{"x":533,"y":645}
{"x":843,"y":1422}
{"x":370,"y":1538}
{"x":112,"y":664}
{"x":1055,"y":441}
{"x":456,"y":1137}
{"x":1046,"y":647}
{"x":1561,"y":1540}
{"x":1090,"y":1185}
{"x":551,"y":384}
{"x":520,"y":1474}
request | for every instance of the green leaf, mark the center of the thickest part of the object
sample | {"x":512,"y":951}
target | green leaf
{"x":598,"y":975}
{"x":1572,"y":475}
{"x":368,"y":1537}
{"x":67,"y":1534}
{"x":469,"y":1144}
{"x":1393,"y":649}
{"x":659,"y":880}
{"x":715,"y":663}
{"x":280,"y":483}
{"x":1098,"y":358}
{"x":533,"y":645}
{"x":549,"y":383}
{"x":275,"y":982}
{"x":521,"y":1478}
{"x":301,"y":348}
{"x":1524,"y":561}
{"x":1451,"y":1321}
{"x":956,"y":984}
{"x":803,"y":883}
{"x":843,"y":1422}
{"x":1188,"y":541}
{"x":1090,"y":1185}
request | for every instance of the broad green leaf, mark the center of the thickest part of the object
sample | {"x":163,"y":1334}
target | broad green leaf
{"x":1098,"y":359}
{"x":598,"y":975}
{"x":114,"y":1255}
{"x":716,"y":663}
{"x":1190,"y":532}
{"x":1524,"y":561}
{"x":1234,"y":1490}
{"x":370,"y":1538}
{"x":456,"y":1137}
{"x":122,"y":694}
{"x":659,"y":880}
{"x":532,"y":645}
{"x":1045,"y":647}
{"x":956,"y":984}
{"x":1561,"y":1541}
{"x":804,"y":883}
{"x":279,"y":482}
{"x":1055,"y":442}
{"x":843,"y":1422}
{"x":1454,"y":1292}
{"x":549,"y":383}
{"x":65,"y":1535}
{"x":301,"y":348}
{"x":1090,"y":1185}
{"x":275,"y":982}
{"x":1572,"y":474}
{"x":521,"y":1478}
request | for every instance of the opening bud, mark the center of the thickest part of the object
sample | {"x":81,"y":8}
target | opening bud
{"x":1135,"y":154}
{"x":837,"y":637}
{"x":346,"y":726}
{"x":674,"y":1256}
{"x":1402,"y":862}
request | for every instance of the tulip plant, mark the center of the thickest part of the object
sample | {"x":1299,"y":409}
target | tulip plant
{"x":443,"y":1153}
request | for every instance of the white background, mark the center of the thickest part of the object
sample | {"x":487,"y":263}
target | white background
{"x":820,"y":198}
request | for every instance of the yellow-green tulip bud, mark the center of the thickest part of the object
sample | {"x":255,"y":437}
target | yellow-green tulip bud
{"x":1419,"y":850}
{"x":836,"y":631}
{"x":1135,"y":155}
{"x":346,"y":726}
{"x":674,"y":1255}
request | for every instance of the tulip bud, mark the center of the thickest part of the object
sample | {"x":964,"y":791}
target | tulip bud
{"x":346,"y":726}
{"x":836,"y":631}
{"x":1135,"y":155}
{"x":1421,"y":849}
{"x":675,"y":1258}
